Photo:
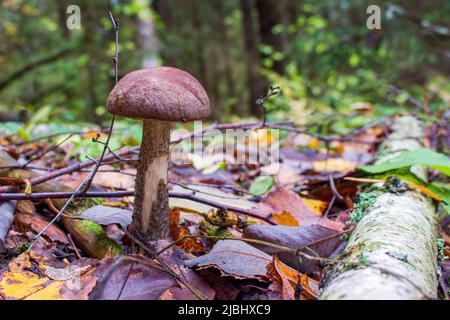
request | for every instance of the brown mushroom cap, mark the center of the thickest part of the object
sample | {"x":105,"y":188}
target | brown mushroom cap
{"x":162,"y":93}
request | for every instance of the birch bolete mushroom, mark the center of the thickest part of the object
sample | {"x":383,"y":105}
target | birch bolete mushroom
{"x":158,"y":96}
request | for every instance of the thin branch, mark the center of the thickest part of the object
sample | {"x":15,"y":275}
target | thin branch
{"x":67,"y":170}
{"x":47,"y":150}
{"x":91,"y":176}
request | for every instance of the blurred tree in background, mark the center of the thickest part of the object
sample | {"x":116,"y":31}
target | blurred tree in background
{"x":319,"y":51}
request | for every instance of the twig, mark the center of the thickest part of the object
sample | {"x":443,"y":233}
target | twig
{"x":165,"y":266}
{"x":91,"y":176}
{"x":273,"y":91}
{"x":84,"y":186}
{"x":53,"y":135}
{"x":329,"y":207}
{"x":410,"y":99}
{"x":333,"y":188}
{"x":73,"y":246}
{"x":47,"y":150}
{"x":64,"y":195}
{"x":67,"y":170}
{"x":224,"y":207}
{"x":254,"y":241}
{"x":118,"y":194}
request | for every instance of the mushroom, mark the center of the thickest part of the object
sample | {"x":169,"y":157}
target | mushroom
{"x":157,"y":95}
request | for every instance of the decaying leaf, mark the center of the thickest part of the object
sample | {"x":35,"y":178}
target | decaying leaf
{"x":295,"y":238}
{"x":283,"y":199}
{"x":286,"y":281}
{"x":37,"y":223}
{"x":114,"y":180}
{"x":105,"y":215}
{"x":209,"y":193}
{"x":136,"y":281}
{"x":236,"y":259}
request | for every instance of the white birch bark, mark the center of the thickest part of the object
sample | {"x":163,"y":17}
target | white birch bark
{"x":392,"y":253}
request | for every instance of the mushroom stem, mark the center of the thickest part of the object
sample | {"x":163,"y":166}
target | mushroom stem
{"x":151,"y":204}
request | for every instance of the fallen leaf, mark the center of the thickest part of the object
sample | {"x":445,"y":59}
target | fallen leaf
{"x":283,"y":199}
{"x":286,"y":280}
{"x":107,"y":215}
{"x":7,"y":210}
{"x":113,"y":180}
{"x":295,"y":238}
{"x":135,"y":281}
{"x":280,"y":287}
{"x":209,"y":193}
{"x":285,"y":218}
{"x":236,"y":259}
{"x":318,"y":206}
{"x":334,"y":165}
{"x":24,"y":221}
{"x":261,"y":185}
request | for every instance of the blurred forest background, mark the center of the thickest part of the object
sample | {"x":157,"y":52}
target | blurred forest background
{"x":320,"y":52}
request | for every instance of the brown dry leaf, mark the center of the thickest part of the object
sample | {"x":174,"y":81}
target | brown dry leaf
{"x":288,"y":173}
{"x":190,"y":245}
{"x":236,"y":259}
{"x":321,"y":240}
{"x":369,"y":137}
{"x":24,"y":222}
{"x":174,"y":221}
{"x":105,"y":215}
{"x":208,"y":193}
{"x":135,"y":281}
{"x":113,"y":180}
{"x":94,"y":134}
{"x":285,"y":218}
{"x":283,"y":199}
{"x":280,"y":287}
{"x":286,"y":280}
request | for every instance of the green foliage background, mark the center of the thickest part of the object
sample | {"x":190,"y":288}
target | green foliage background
{"x":329,"y":58}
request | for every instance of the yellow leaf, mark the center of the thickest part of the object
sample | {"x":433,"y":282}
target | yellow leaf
{"x":318,"y":206}
{"x":334,"y":164}
{"x":314,"y":144}
{"x":285,"y":218}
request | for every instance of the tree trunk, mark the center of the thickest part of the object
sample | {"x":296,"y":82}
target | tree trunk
{"x":255,"y":82}
{"x":392,"y":253}
{"x":151,"y":206}
{"x":269,"y":13}
{"x":228,"y":65}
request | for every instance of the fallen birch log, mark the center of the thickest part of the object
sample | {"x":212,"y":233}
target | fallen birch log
{"x":392,"y":253}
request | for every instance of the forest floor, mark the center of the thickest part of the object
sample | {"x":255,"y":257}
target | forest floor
{"x":238,"y":231}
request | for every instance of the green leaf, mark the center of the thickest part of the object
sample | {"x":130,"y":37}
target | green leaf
{"x":443,"y":191}
{"x":423,"y":156}
{"x":261,"y":185}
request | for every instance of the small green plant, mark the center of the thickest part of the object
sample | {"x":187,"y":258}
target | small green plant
{"x":441,"y":247}
{"x":366,"y":200}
